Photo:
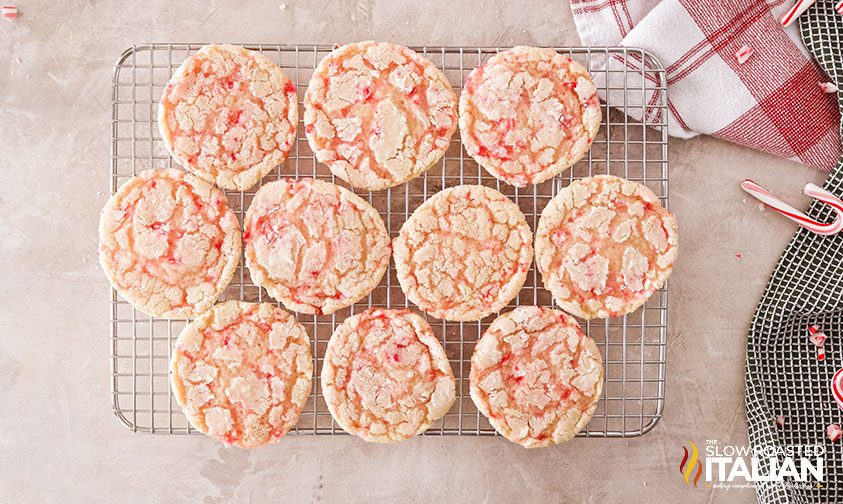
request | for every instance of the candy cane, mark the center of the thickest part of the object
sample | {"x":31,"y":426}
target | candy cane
{"x":836,"y":386}
{"x":796,"y":11}
{"x":839,"y":7}
{"x":834,"y":227}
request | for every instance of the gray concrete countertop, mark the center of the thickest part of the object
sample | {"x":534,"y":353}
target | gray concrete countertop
{"x":58,"y":438}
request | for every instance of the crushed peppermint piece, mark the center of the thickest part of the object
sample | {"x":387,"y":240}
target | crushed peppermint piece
{"x":839,"y":7}
{"x":816,"y":336}
{"x":780,"y":421}
{"x":283,"y":6}
{"x":762,"y":207}
{"x":743,"y":54}
{"x":739,"y":256}
{"x":833,"y":432}
{"x":10,"y":12}
{"x":820,"y":353}
{"x":827,"y":87}
{"x":817,"y":339}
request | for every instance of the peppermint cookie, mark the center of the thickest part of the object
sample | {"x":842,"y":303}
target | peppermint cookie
{"x":528,"y":114}
{"x":378,"y":114}
{"x":242,"y":373}
{"x":229,"y":115}
{"x":313,"y":245}
{"x":386,"y":377}
{"x":464,"y":253}
{"x":169,"y":243}
{"x":536,"y":376}
{"x":604,"y":245}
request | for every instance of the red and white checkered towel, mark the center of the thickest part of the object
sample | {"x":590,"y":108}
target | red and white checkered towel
{"x":772,"y":102}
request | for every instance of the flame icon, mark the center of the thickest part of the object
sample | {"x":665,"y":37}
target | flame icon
{"x":693,"y":462}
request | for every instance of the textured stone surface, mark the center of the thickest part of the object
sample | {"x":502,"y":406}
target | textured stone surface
{"x":58,"y":437}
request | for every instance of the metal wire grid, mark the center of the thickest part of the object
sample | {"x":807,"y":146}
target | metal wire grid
{"x":633,"y":347}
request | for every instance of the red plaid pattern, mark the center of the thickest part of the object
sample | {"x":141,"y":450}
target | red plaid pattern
{"x":770,"y":103}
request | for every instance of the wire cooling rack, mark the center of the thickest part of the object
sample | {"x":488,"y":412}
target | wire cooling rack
{"x":629,"y":80}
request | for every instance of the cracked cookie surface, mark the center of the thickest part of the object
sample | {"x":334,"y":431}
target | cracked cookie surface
{"x":464,"y":253}
{"x":242,"y":373}
{"x":528,"y":114}
{"x":604,"y":245}
{"x":536,"y":376}
{"x":229,"y":115}
{"x":169,"y":243}
{"x":385,"y":376}
{"x":313,"y":245}
{"x":378,"y":114}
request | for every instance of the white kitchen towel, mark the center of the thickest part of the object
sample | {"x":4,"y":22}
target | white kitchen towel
{"x":771,"y":102}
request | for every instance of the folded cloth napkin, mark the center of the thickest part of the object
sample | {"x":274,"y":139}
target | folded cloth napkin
{"x":772,"y":102}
